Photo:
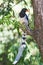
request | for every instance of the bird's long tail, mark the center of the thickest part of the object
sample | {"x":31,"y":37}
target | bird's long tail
{"x":20,"y":50}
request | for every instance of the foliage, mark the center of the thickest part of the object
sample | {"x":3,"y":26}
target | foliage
{"x":10,"y":35}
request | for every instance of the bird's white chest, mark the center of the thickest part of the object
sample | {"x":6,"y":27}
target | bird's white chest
{"x":24,"y":20}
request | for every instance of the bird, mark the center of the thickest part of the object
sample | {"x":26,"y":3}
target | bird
{"x":23,"y":19}
{"x":23,"y":16}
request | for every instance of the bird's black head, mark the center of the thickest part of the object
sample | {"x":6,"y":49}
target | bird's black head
{"x":24,"y":10}
{"x":22,"y":13}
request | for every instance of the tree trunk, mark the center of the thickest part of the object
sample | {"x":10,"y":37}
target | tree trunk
{"x":38,"y":20}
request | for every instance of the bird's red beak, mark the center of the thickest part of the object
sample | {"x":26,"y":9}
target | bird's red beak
{"x":27,"y":10}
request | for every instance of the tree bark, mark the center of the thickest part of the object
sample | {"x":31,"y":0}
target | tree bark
{"x":38,"y":20}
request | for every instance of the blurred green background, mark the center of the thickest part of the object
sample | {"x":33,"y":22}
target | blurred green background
{"x":10,"y":34}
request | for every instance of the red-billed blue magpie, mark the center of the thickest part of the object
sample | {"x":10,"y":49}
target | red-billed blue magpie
{"x":23,"y":19}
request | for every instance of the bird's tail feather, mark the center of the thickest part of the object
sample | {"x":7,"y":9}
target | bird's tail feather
{"x":20,"y":51}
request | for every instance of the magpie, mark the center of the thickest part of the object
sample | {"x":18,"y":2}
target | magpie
{"x":23,"y":19}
